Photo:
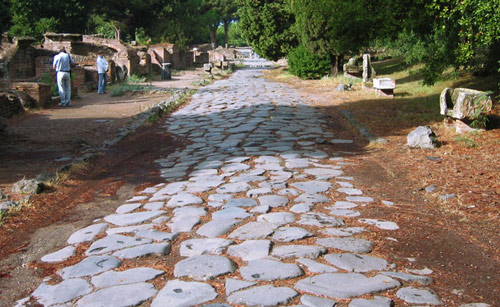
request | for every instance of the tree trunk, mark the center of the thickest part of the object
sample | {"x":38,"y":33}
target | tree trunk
{"x":213,"y":35}
{"x":334,"y":65}
{"x":226,"y":33}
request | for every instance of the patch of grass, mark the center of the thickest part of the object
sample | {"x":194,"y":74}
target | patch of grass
{"x":134,"y":79}
{"x":469,"y":143}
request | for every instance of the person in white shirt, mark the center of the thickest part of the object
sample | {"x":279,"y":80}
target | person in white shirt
{"x":102,"y":69}
{"x":62,"y":64}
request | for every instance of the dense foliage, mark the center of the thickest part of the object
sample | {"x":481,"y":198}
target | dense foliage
{"x":307,"y":65}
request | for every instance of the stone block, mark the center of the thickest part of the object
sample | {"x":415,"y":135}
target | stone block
{"x":40,"y":92}
{"x":460,"y":103}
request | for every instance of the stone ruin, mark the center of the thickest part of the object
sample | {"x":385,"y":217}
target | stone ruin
{"x":360,"y":67}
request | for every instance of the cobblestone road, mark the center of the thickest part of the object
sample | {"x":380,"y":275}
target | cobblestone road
{"x":252,"y":212}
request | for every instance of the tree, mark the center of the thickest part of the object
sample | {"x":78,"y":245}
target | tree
{"x":267,"y":27}
{"x":334,"y":27}
{"x":4,"y":16}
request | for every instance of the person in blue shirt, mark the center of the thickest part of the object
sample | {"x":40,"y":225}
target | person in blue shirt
{"x":102,"y":69}
{"x":62,"y":64}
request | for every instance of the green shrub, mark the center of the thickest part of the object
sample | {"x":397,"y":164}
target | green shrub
{"x":306,"y":65}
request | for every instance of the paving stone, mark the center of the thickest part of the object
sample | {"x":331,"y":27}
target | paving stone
{"x":184,"y":199}
{"x":350,"y":191}
{"x":231,"y":213}
{"x":288,"y":192}
{"x":475,"y":305}
{"x":250,"y":249}
{"x":259,"y":191}
{"x":348,"y":244}
{"x":240,"y":202}
{"x":278,"y":218}
{"x":267,"y":269}
{"x":377,"y":301}
{"x":60,"y":255}
{"x":312,"y":198}
{"x":273,"y":201}
{"x":63,"y":292}
{"x":357,"y":263}
{"x":344,"y":184}
{"x":298,"y":251}
{"x":344,"y":205}
{"x":143,"y":250}
{"x":217,"y":227}
{"x":87,"y":234}
{"x":301,"y":208}
{"x":316,"y":267}
{"x":234,"y":167}
{"x":235,"y":187}
{"x":137,"y":198}
{"x":253,"y":230}
{"x":114,"y":242}
{"x":127,"y":208}
{"x":131,"y":276}
{"x":424,"y":280}
{"x":190,"y":210}
{"x":342,"y":232}
{"x":156,"y":235}
{"x":344,"y":212}
{"x":267,"y":159}
{"x":297,"y":163}
{"x":321,"y":220}
{"x":196,"y":247}
{"x":263,"y":296}
{"x":204,"y":267}
{"x":386,"y":225}
{"x":314,"y":301}
{"x":132,"y":218}
{"x":90,"y":266}
{"x":245,"y":178}
{"x":312,"y":187}
{"x":288,"y":234}
{"x":261,"y":209}
{"x":323,"y":173}
{"x":126,"y":295}
{"x":154,"y":206}
{"x":233,"y":285}
{"x":183,"y":223}
{"x":220,"y":197}
{"x":360,"y":199}
{"x":418,"y":296}
{"x":345,"y":285}
{"x":129,"y":229}
{"x":148,"y":191}
{"x":216,"y":305}
{"x":425,"y":271}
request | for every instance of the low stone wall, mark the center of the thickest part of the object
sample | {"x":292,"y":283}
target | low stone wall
{"x":40,"y":92}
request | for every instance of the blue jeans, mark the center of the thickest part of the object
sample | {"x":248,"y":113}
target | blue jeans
{"x":64,"y":87}
{"x":102,"y":82}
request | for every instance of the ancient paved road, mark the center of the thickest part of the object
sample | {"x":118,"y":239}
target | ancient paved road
{"x":249,"y":214}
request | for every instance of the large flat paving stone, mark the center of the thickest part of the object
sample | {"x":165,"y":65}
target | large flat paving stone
{"x":342,"y":232}
{"x":313,"y":186}
{"x":143,"y":250}
{"x":418,"y":296}
{"x":233,"y":285}
{"x":204,"y":267}
{"x":263,"y":296}
{"x":132,"y":218}
{"x":377,"y":301}
{"x":184,"y":199}
{"x":278,"y":218}
{"x":235,"y":187}
{"x":250,"y":250}
{"x":119,"y":296}
{"x":156,"y":235}
{"x":348,"y":244}
{"x":382,"y":224}
{"x":231,"y":213}
{"x":299,"y":251}
{"x":312,"y":198}
{"x":424,"y":280}
{"x":267,"y":269}
{"x":183,"y":223}
{"x":320,"y":220}
{"x":314,"y":301}
{"x":288,"y":234}
{"x":114,"y":242}
{"x":315,"y":266}
{"x":196,"y":247}
{"x":60,"y":255}
{"x":61,"y":293}
{"x":217,"y":227}
{"x":90,"y":266}
{"x":190,"y":210}
{"x":131,"y":276}
{"x":356,"y":262}
{"x":240,"y":202}
{"x":323,"y":173}
{"x":127,"y":208}
{"x":273,"y":201}
{"x":345,"y":285}
{"x":253,"y":230}
{"x":87,"y":234}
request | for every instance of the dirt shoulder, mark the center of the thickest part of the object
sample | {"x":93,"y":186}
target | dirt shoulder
{"x":457,"y":238}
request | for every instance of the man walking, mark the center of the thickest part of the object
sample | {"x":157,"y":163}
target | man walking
{"x":102,"y":69}
{"x":62,"y":64}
